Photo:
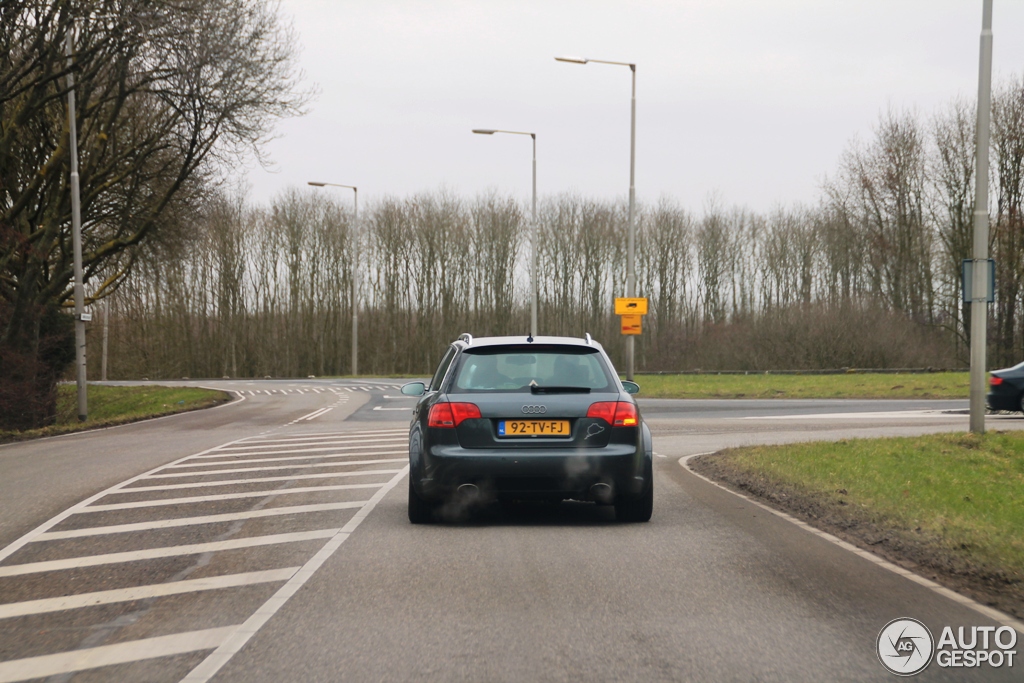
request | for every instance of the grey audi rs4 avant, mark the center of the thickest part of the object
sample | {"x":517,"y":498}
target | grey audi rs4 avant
{"x":524,"y":418}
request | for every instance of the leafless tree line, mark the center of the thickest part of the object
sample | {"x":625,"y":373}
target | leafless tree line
{"x":868,"y":277}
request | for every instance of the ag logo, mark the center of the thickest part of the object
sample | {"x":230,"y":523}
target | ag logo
{"x":905,"y":647}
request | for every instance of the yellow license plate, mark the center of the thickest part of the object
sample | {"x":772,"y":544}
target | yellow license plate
{"x":533,"y":428}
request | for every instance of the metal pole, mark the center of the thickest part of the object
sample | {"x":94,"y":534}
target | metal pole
{"x":533,"y":247}
{"x":631,"y":252}
{"x":979,"y":289}
{"x":106,"y":334}
{"x":355,"y":288}
{"x":76,"y":235}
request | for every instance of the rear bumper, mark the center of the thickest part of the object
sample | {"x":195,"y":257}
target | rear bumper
{"x":537,"y":473}
{"x":1003,"y":400}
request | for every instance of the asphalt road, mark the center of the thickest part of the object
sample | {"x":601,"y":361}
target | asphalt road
{"x":266,"y":540}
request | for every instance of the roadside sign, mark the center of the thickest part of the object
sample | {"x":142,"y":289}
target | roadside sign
{"x":631,"y":324}
{"x":631,"y":306}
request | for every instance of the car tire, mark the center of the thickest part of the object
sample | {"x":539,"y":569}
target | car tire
{"x":420,"y":511}
{"x":637,"y":509}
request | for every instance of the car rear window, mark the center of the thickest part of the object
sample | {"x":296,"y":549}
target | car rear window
{"x":505,"y":368}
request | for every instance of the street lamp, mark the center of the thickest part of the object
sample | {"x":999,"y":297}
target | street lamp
{"x":533,"y":229}
{"x":76,"y":233}
{"x":979,"y":288}
{"x":631,"y":248}
{"x":355,"y":275}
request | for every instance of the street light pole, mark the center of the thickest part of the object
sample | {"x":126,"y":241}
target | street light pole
{"x":979,"y":288}
{"x":355,"y":273}
{"x":76,"y":234}
{"x":533,"y":227}
{"x":631,"y":240}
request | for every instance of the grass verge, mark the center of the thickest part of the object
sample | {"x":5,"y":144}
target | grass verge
{"x":949,"y":505}
{"x":110,"y":406}
{"x":864,"y":386}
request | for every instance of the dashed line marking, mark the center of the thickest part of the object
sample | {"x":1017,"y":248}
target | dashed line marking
{"x":261,"y":480}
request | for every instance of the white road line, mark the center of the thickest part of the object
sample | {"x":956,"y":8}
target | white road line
{"x":366,"y":437}
{"x":155,"y":553}
{"x":381,"y":443}
{"x":319,"y":414}
{"x":310,"y":416}
{"x":318,"y":456}
{"x":191,"y":521}
{"x":44,"y":666}
{"x":319,"y":391}
{"x":20,"y":609}
{"x":993,"y":614}
{"x":161,"y":502}
{"x":267,"y":468}
{"x":258,"y":480}
{"x":318,"y":441}
{"x":406,"y":409}
{"x":237,"y":640}
{"x":318,"y":435}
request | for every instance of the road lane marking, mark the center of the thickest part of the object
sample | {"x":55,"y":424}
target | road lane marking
{"x":240,"y":636}
{"x":993,"y":614}
{"x":319,"y":456}
{"x":161,"y":502}
{"x":44,"y":666}
{"x":406,"y":409}
{"x":159,"y":590}
{"x":312,"y":415}
{"x":192,"y":521}
{"x":259,"y":480}
{"x":157,"y":553}
{"x":329,"y":444}
{"x":266,"y":468}
{"x":365,"y":435}
{"x":366,"y":448}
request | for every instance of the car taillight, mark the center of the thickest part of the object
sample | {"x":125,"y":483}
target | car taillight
{"x":615,"y":413}
{"x":450,"y":415}
{"x":996,"y":381}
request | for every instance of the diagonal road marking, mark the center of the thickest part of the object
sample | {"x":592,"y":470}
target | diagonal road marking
{"x":20,"y":609}
{"x":193,"y":521}
{"x":44,"y":666}
{"x":160,"y":502}
{"x":156,"y":553}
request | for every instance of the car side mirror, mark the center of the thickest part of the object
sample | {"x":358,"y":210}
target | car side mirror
{"x":414,"y":389}
{"x":631,"y":387}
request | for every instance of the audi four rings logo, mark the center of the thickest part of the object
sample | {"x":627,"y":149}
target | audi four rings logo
{"x":535,"y":410}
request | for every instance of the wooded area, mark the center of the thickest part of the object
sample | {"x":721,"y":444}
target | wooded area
{"x":869,"y":277}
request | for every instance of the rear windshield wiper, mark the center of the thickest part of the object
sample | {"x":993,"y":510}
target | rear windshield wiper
{"x":535,"y":389}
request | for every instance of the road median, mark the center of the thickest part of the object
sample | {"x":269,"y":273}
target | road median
{"x":947,"y":506}
{"x":115,"y":405}
{"x":937,"y":385}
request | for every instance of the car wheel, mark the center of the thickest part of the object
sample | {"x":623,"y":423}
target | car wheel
{"x":637,"y":509}
{"x":1021,"y":402}
{"x":420,"y":511}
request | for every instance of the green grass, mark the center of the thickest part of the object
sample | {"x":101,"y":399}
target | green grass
{"x":961,"y":491}
{"x":117,"y":405}
{"x":864,"y":386}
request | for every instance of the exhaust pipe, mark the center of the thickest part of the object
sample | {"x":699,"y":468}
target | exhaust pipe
{"x":601,"y":492}
{"x":468,"y":490}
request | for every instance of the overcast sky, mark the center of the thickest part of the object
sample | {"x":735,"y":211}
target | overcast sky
{"x":750,"y":100}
